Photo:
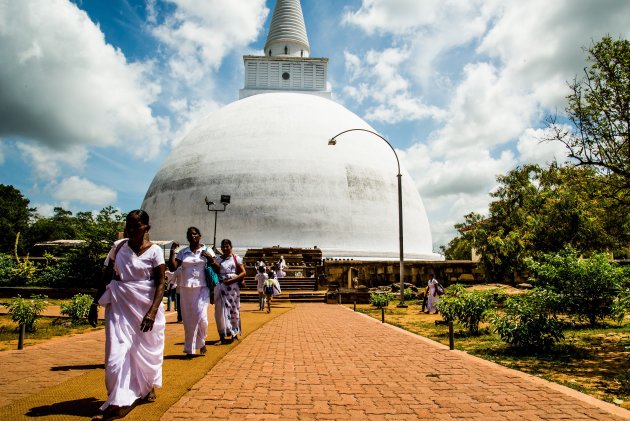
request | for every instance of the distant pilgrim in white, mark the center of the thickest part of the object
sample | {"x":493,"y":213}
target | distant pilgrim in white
{"x":269,"y":151}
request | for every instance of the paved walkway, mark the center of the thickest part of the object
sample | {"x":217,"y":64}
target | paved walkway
{"x":326,"y":362}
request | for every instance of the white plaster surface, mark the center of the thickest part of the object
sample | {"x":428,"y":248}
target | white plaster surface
{"x":288,"y":187}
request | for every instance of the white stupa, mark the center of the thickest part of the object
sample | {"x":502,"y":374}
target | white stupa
{"x":269,"y":151}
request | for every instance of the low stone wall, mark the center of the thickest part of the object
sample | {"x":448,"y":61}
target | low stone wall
{"x":352,"y":273}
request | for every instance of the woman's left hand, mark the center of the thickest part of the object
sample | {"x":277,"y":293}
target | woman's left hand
{"x":147,"y":322}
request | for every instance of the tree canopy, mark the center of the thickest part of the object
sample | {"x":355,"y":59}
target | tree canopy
{"x":599,"y":112}
{"x":15,"y":214}
{"x":541,"y":210}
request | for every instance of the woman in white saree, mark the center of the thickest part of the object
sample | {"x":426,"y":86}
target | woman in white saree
{"x":227,"y":294}
{"x":134,"y":318}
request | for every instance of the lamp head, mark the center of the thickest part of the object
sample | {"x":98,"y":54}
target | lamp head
{"x":332,"y":142}
{"x":225,"y":199}
{"x":208,"y":203}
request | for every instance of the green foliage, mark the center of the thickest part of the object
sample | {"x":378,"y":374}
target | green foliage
{"x":14,"y":216}
{"x":469,"y":308}
{"x":6,"y":269}
{"x":26,"y":312}
{"x":410,"y":294}
{"x":381,"y":299}
{"x":542,"y":210}
{"x":24,"y":270}
{"x":78,"y":308}
{"x":599,"y":110}
{"x":529,"y":322}
{"x":589,"y":287}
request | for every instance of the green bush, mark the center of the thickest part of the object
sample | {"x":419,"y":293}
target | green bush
{"x":588,"y":287}
{"x":381,"y":299}
{"x":410,"y":295}
{"x":529,"y":321}
{"x":26,"y":312}
{"x":78,"y":308}
{"x":6,"y":269}
{"x":469,"y":308}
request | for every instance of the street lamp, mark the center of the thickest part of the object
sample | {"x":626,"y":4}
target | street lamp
{"x":225,"y":200}
{"x":332,"y":142}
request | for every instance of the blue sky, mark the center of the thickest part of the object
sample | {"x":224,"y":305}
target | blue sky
{"x":94,"y":94}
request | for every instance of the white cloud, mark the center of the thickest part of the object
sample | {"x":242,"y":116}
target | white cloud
{"x":533,"y":150}
{"x":45,"y":210}
{"x":189,"y":114}
{"x":203,"y":32}
{"x":46,"y":162}
{"x":77,"y":189}
{"x":63,"y":85}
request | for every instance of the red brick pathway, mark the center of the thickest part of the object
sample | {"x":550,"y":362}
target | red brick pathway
{"x":325,"y":362}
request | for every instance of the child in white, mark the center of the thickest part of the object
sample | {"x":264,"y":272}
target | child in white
{"x":261,"y":277}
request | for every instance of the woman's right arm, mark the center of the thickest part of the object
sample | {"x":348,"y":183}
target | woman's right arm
{"x":173,"y":263}
{"x":108,"y":272}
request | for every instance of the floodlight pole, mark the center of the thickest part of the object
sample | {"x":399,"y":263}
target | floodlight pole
{"x":332,"y":142}
{"x":216,"y":211}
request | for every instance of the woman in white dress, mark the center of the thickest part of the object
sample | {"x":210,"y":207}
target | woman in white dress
{"x":433,"y":297}
{"x":227,"y":294}
{"x":193,"y":290}
{"x":134,"y":318}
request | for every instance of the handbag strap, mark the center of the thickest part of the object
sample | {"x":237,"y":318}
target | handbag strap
{"x":118,"y":247}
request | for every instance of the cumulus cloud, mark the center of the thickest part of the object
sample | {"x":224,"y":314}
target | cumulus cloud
{"x":533,"y":149}
{"x":78,"y":189}
{"x":47,"y":163}
{"x":486,"y":86}
{"x":203,"y":32}
{"x":63,"y":85}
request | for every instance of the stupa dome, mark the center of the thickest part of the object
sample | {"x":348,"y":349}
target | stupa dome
{"x":288,"y":187}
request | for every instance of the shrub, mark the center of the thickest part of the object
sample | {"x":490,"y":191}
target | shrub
{"x":588,"y":287}
{"x":78,"y":308}
{"x":381,"y":299}
{"x":410,"y":294}
{"x":6,"y":269}
{"x":469,"y":308}
{"x":26,"y":312}
{"x":529,"y":321}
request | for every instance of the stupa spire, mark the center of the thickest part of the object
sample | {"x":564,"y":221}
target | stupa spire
{"x":287,"y":32}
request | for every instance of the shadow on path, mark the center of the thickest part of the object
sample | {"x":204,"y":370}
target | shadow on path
{"x":85,"y":407}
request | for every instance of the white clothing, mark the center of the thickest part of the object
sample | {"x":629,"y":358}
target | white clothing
{"x":227,"y":298}
{"x":133,"y":359}
{"x":193,"y":266}
{"x":260,"y":280}
{"x":228,"y":268}
{"x":433,"y":298}
{"x":194,"y":306}
{"x":276,"y":286}
{"x":194,"y":297}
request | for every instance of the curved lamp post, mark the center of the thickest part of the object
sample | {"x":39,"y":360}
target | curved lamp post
{"x":332,"y":142}
{"x":225,"y":200}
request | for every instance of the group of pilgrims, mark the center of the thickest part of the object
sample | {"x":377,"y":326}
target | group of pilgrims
{"x":132,"y":292}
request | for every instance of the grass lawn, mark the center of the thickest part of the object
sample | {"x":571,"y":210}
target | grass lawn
{"x":593,"y":361}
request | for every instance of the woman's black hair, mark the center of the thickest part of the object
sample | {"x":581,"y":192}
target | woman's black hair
{"x":141,"y":214}
{"x":191,"y":229}
{"x":226,"y":241}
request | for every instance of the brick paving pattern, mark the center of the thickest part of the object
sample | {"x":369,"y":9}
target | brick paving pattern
{"x":325,"y":362}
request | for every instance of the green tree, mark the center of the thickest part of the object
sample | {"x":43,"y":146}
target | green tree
{"x":540,"y":210}
{"x":14,"y":216}
{"x":599,"y":112}
{"x":588,"y":287}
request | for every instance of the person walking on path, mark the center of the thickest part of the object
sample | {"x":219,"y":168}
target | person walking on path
{"x":433,"y":296}
{"x":193,"y":289}
{"x":227,"y":294}
{"x":271,"y":289}
{"x":132,"y":294}
{"x":261,"y":277}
